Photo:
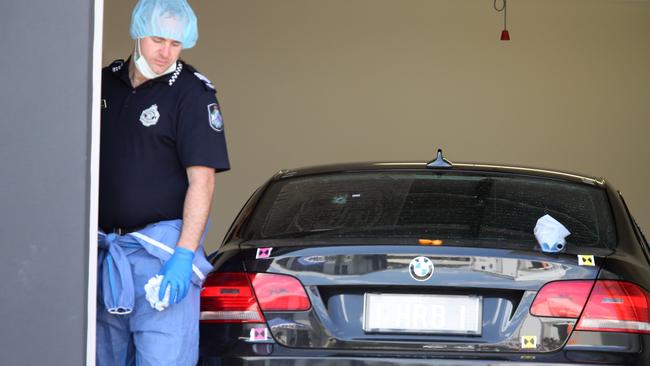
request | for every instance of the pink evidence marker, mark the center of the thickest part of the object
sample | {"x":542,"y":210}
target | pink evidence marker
{"x":259,"y":334}
{"x":263,"y":253}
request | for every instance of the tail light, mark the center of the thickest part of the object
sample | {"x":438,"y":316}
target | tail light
{"x":279,"y":292}
{"x":616,"y":306}
{"x":562,"y":299}
{"x":240,"y":298}
{"x":604,"y":306}
{"x":229,"y":297}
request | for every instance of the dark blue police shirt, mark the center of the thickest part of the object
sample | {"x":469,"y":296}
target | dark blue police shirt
{"x":149,"y":136}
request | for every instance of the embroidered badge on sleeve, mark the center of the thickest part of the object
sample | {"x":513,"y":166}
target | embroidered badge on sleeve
{"x":214,"y":117}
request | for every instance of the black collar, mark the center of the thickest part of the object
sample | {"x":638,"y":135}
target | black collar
{"x":121,"y":71}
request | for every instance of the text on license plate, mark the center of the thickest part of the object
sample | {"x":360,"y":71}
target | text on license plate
{"x":411,"y":313}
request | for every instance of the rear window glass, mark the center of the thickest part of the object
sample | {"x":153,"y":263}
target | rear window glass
{"x":430,"y":205}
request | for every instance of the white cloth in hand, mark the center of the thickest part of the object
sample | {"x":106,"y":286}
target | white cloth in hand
{"x":152,"y":289}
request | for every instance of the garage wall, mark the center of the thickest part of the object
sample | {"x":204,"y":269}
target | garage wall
{"x":45,"y":99}
{"x":305,"y":82}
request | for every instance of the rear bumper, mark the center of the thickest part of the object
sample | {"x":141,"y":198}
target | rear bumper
{"x":230,"y":346}
{"x":383,"y":361}
{"x":274,"y":355}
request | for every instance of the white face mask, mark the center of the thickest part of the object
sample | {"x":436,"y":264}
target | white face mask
{"x":143,"y":66}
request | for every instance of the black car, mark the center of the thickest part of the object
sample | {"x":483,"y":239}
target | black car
{"x":428,"y":264}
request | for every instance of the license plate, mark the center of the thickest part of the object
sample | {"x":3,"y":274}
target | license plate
{"x":432,"y":314}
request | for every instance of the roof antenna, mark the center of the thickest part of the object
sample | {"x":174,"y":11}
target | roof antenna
{"x":440,"y":162}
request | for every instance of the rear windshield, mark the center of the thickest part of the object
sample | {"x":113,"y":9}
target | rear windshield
{"x":430,"y":205}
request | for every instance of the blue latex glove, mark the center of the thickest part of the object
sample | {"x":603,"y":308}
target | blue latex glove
{"x":177,"y":273}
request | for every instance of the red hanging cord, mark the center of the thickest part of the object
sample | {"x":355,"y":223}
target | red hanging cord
{"x":505,"y":35}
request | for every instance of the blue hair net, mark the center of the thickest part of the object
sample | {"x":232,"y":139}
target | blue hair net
{"x":173,"y":19}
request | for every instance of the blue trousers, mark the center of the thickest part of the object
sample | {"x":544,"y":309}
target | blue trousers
{"x":146,"y":336}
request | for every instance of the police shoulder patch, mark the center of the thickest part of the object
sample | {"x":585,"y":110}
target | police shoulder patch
{"x":214,"y":117}
{"x":205,"y":80}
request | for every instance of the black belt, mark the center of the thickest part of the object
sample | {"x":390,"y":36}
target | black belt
{"x":122,"y":230}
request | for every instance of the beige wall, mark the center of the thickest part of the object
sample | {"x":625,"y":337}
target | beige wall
{"x":305,"y":82}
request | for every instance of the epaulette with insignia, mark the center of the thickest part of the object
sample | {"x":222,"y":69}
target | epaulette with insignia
{"x":205,"y":80}
{"x":116,"y":65}
{"x":208,"y":84}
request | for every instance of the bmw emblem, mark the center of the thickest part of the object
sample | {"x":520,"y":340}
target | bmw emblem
{"x":421,"y":268}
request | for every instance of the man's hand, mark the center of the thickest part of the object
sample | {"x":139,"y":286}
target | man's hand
{"x":177,"y":273}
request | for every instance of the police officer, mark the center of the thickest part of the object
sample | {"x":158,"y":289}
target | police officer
{"x":162,"y":141}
